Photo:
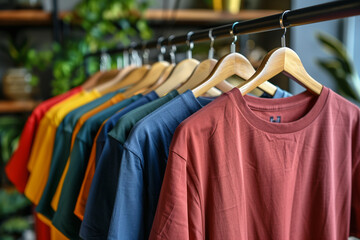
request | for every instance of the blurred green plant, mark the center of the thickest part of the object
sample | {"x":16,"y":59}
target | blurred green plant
{"x":13,"y":226}
{"x":105,"y":25}
{"x":20,"y":51}
{"x":10,"y":130}
{"x":12,"y":203}
{"x":340,"y":67}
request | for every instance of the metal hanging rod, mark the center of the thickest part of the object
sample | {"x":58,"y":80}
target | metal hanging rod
{"x":302,"y":16}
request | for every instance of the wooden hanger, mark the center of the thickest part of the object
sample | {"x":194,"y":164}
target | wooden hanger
{"x":181,"y":72}
{"x":281,"y":60}
{"x":200,"y":73}
{"x":149,"y":79}
{"x":161,"y":79}
{"x":203,"y":70}
{"x":128,"y":76}
{"x":99,"y":78}
{"x":227,"y":66}
{"x":115,"y":82}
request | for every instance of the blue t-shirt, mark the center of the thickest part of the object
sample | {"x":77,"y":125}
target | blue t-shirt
{"x":102,"y":193}
{"x":143,"y":166}
{"x":279,"y":93}
{"x":111,"y":122}
{"x":64,"y":218}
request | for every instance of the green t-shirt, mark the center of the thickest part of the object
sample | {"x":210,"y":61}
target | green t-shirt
{"x":125,"y":124}
{"x":64,"y":219}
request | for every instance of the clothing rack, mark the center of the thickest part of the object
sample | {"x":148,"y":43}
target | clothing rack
{"x":302,"y":16}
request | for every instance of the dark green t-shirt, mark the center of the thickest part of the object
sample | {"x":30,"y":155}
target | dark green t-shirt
{"x":64,"y":218}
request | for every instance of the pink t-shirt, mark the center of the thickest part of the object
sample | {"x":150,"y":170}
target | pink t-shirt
{"x":246,"y":168}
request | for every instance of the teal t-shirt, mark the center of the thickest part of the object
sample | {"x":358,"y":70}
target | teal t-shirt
{"x":61,"y":152}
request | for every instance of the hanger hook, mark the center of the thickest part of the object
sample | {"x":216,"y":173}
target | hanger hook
{"x":126,"y":58}
{"x":190,"y":44}
{"x":173,"y":49}
{"x":131,"y":55}
{"x":135,"y":55}
{"x":233,"y":44}
{"x":105,"y":60}
{"x":282,"y":25}
{"x":161,"y":48}
{"x":212,"y":40}
{"x":146,"y":53}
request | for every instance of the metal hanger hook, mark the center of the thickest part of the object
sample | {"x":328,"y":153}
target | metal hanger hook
{"x":161,"y":48}
{"x":146,"y":53}
{"x":212,"y":40}
{"x":190,"y":44}
{"x":105,"y":60}
{"x":233,"y":44}
{"x":172,"y":50}
{"x":126,"y":58}
{"x":282,"y":25}
{"x":136,"y":59}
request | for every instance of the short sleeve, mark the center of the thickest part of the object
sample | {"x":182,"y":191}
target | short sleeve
{"x":128,"y":215}
{"x":178,"y":214}
{"x":102,"y":192}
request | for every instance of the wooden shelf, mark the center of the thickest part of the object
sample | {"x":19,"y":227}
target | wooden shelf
{"x":17,"y":106}
{"x":39,"y":17}
{"x":24,"y":17}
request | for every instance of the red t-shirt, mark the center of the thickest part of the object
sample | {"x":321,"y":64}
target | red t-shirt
{"x":16,"y":169}
{"x":251,"y":168}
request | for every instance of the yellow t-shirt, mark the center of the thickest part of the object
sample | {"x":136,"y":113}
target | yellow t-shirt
{"x":55,"y":234}
{"x":41,"y":131}
{"x":40,"y":158}
{"x":118,"y":98}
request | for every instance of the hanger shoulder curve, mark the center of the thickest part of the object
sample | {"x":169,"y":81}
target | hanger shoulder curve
{"x":99,"y":78}
{"x":295,"y":68}
{"x":134,"y":77}
{"x":181,"y":72}
{"x":161,"y":79}
{"x":107,"y":87}
{"x":277,"y":61}
{"x":199,"y":75}
{"x":150,"y":78}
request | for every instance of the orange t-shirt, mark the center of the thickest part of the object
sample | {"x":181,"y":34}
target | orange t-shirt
{"x":85,"y":187}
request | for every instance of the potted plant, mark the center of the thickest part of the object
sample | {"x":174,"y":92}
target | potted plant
{"x":19,"y":81}
{"x":340,"y":67}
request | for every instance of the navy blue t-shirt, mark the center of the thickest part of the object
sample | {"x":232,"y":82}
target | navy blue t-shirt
{"x":102,"y":193}
{"x":111,"y":122}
